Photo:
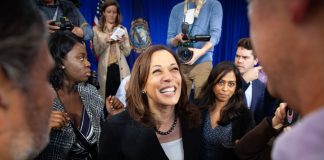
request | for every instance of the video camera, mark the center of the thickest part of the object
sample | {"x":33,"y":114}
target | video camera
{"x":64,"y":23}
{"x":184,"y":54}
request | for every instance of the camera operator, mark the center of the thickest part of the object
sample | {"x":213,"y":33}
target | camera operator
{"x":204,"y":17}
{"x":64,"y":15}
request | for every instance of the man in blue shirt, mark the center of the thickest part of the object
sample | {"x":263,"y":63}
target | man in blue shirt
{"x":55,"y":9}
{"x":204,"y":18}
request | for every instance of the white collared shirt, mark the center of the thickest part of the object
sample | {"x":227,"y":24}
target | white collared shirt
{"x":248,"y":95}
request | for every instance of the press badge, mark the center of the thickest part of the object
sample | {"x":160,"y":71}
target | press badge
{"x":189,"y":18}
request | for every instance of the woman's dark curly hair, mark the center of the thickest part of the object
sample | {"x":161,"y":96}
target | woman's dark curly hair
{"x":60,"y":44}
{"x":207,"y":97}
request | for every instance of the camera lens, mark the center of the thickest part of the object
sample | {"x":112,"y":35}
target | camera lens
{"x":184,"y":54}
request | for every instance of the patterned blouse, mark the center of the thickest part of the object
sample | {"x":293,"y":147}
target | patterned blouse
{"x":215,"y":139}
{"x":63,"y":141}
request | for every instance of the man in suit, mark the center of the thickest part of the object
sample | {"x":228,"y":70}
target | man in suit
{"x":257,"y":97}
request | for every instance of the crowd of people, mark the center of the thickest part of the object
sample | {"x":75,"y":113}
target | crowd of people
{"x":50,"y":110}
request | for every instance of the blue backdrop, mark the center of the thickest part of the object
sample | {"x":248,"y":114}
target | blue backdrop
{"x":156,"y":13}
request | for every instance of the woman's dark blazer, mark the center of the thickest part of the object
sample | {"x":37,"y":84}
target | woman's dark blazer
{"x":124,"y":138}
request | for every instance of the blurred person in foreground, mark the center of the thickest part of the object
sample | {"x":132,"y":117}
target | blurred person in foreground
{"x":288,"y":39}
{"x":25,"y":92}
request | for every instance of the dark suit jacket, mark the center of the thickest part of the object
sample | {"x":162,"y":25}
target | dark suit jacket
{"x":262,"y":103}
{"x":123,"y":138}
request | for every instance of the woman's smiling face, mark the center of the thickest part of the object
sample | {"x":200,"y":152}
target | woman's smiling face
{"x":163,"y":85}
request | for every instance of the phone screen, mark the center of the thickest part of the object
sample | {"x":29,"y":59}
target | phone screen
{"x":291,"y":116}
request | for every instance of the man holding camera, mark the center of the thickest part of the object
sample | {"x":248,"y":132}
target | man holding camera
{"x":188,"y":19}
{"x":64,"y":15}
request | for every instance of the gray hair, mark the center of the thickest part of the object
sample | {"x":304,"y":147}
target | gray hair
{"x":22,"y":32}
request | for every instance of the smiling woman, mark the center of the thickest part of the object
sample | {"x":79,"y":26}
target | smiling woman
{"x":159,"y":123}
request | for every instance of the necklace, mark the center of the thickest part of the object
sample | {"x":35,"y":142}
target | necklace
{"x":170,"y":130}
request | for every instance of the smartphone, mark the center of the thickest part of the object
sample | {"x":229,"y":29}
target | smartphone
{"x":291,"y":116}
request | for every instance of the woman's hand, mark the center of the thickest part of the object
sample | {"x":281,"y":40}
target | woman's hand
{"x":58,"y":120}
{"x":113,"y":105}
{"x":108,"y":38}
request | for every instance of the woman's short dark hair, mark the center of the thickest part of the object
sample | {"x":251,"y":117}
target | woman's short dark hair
{"x":60,"y":44}
{"x":102,"y":22}
{"x":137,"y":102}
{"x":246,"y":44}
{"x":207,"y":97}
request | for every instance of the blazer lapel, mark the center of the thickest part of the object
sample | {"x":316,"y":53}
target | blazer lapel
{"x":149,"y":143}
{"x":255,"y":92}
{"x":191,"y":139}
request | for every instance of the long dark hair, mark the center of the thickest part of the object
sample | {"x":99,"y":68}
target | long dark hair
{"x":60,"y":44}
{"x":207,"y":97}
{"x":137,"y":103}
{"x":102,"y":22}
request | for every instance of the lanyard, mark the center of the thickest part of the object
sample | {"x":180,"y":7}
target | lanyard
{"x":55,"y":14}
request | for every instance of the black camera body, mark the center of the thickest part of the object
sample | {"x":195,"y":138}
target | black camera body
{"x":64,"y":24}
{"x":184,"y":54}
